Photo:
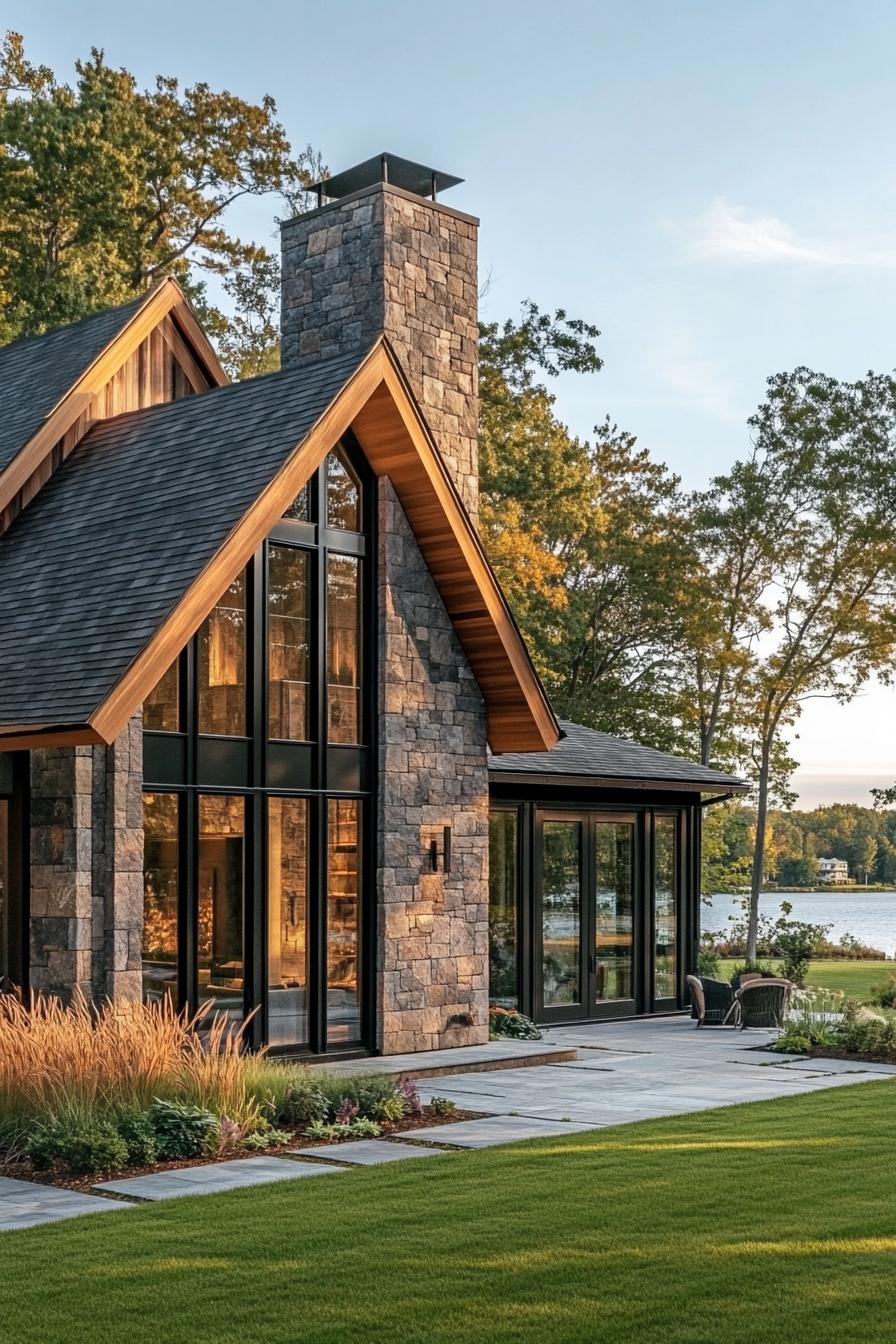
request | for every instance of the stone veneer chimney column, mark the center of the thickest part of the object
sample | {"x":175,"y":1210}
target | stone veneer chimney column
{"x":383,"y":259}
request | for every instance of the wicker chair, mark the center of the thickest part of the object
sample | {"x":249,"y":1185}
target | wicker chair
{"x":763,"y":1003}
{"x":711,"y":1001}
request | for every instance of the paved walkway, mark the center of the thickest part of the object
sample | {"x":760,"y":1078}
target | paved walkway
{"x":633,"y":1071}
{"x":621,"y":1072}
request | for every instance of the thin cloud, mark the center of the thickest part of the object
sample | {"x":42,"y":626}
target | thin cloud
{"x":729,"y":233}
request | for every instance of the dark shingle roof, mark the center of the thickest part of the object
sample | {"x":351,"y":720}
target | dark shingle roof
{"x":35,"y":374}
{"x":99,"y":559}
{"x":584,"y":752}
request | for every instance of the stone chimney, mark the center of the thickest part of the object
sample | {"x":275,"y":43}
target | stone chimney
{"x":381,"y":254}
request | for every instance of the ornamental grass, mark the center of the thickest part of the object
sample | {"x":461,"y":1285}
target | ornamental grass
{"x":61,"y":1061}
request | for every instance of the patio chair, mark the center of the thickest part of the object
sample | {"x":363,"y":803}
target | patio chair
{"x":712,"y":1001}
{"x":763,"y":1002}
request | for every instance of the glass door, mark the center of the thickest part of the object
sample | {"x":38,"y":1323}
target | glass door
{"x":666,"y":927}
{"x":560,"y":871}
{"x":612,"y":965}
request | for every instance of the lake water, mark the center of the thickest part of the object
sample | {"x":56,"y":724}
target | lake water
{"x":869,"y":916}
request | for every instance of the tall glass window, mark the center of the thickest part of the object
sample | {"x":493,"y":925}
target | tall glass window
{"x":614,"y":910}
{"x":161,"y":708}
{"x":502,"y":908}
{"x":244,"y":787}
{"x":219,"y":932}
{"x":343,"y":920}
{"x":665,"y":876}
{"x":287,"y":921}
{"x":160,"y":896}
{"x":344,"y":649}
{"x":289,"y":664}
{"x":221,"y":664}
{"x":343,"y":495}
{"x":562,"y":912}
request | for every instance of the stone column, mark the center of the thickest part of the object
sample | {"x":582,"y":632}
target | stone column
{"x":61,"y":870}
{"x":118,"y":866}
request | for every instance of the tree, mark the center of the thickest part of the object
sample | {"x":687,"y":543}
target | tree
{"x":590,"y":539}
{"x":831,"y":601}
{"x":106,"y":188}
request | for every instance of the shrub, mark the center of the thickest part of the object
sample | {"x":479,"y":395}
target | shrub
{"x":361,"y":1128}
{"x":391,"y":1109}
{"x":366,"y":1090}
{"x":409,"y":1094}
{"x":442,"y":1106}
{"x":89,"y":1146}
{"x":346,"y":1111}
{"x":708,"y":963}
{"x":266,"y":1138}
{"x":304,"y":1103}
{"x":183,"y":1131}
{"x":137,"y":1131}
{"x":509,"y":1022}
{"x":885,"y":995}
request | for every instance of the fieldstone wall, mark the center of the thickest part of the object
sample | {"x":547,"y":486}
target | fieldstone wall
{"x":61,"y":870}
{"x":118,"y":866}
{"x":432,"y":927}
{"x":385,"y":260}
{"x":86,"y":868}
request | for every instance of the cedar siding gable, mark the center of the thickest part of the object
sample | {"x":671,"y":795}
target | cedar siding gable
{"x":127,"y":547}
{"x":54,"y":387}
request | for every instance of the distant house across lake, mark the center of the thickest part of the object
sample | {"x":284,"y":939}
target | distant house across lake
{"x":834,"y":871}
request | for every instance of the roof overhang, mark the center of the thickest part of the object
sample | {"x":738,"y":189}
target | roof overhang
{"x":615,"y":782}
{"x":377,"y":405}
{"x":184,"y":333}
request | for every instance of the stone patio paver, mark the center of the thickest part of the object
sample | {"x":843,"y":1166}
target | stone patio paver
{"x":369,"y":1152}
{"x":217,"y":1177}
{"x":495,"y":1129}
{"x":28,"y":1203}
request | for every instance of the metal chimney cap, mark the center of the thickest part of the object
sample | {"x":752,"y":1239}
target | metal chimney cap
{"x":403,"y":173}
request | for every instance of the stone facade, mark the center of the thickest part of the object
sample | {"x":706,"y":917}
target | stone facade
{"x":86,"y":868}
{"x":387,"y":261}
{"x":432,"y":963}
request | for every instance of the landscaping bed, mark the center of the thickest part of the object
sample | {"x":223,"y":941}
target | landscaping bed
{"x":23,"y":1170}
{"x":86,"y":1096}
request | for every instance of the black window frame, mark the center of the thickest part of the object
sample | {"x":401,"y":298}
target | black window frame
{"x":254,"y":766}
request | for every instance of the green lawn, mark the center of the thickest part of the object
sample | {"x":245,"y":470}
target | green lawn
{"x":857,"y":979}
{"x":766,"y":1221}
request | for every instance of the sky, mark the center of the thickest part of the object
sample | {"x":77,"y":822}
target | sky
{"x":713,"y":184}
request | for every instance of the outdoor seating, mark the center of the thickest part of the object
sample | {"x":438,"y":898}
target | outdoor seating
{"x":712,"y":1001}
{"x":763,"y":1002}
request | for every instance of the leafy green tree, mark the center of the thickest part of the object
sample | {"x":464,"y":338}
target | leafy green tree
{"x":105,"y":188}
{"x":590,"y":539}
{"x":832,"y":601}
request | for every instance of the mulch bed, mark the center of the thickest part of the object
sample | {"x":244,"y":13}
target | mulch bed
{"x":828,"y":1052}
{"x":67,"y":1180}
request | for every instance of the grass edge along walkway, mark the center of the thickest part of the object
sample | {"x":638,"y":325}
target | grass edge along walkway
{"x":769,"y":1219}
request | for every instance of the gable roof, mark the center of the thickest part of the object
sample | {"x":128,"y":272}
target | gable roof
{"x":36,"y":373}
{"x":585,"y":755}
{"x":47,"y":382}
{"x":124,"y":551}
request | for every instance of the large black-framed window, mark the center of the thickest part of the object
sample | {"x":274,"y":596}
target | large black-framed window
{"x":258,"y":749}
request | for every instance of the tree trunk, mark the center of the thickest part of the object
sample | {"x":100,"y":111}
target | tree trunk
{"x":759,"y":850}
